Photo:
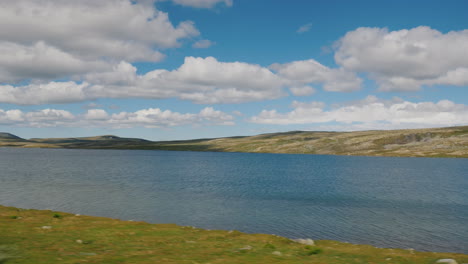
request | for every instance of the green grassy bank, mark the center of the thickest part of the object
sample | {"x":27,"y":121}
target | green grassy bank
{"x":41,"y":236}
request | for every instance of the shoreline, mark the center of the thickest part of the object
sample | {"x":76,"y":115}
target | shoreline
{"x":213,"y":151}
{"x":60,"y":237}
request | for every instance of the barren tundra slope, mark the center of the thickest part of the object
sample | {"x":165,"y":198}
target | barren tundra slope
{"x":431,"y":142}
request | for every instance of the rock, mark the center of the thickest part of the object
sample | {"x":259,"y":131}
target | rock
{"x":46,"y":227}
{"x":87,"y":254}
{"x":447,"y":261}
{"x":246,"y":248}
{"x":77,"y":215}
{"x":306,"y":241}
{"x":79,"y":241}
{"x":277,"y":253}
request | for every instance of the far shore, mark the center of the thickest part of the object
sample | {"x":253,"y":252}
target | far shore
{"x":447,"y":142}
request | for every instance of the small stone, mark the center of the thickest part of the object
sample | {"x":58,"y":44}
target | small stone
{"x":46,"y":227}
{"x":306,"y":241}
{"x":246,"y":248}
{"x":277,"y":253}
{"x":387,"y":259}
{"x":77,"y":215}
{"x":87,"y":254}
{"x":79,"y":241}
{"x":447,"y":261}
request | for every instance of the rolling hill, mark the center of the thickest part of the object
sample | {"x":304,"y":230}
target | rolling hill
{"x":431,"y":142}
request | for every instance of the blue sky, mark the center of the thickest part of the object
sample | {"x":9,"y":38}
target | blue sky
{"x":181,"y":69}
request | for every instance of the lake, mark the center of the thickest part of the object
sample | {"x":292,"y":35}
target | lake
{"x":419,"y":203}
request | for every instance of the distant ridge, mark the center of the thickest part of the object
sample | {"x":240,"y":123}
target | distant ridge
{"x":8,"y":136}
{"x":428,"y":142}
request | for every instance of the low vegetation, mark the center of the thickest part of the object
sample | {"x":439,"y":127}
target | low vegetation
{"x":432,"y":142}
{"x":38,"y":236}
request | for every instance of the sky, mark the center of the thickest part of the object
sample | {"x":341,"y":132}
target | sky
{"x":184,"y":69}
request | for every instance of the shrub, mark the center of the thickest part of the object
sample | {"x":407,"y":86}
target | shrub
{"x":314,"y":251}
{"x":269,"y":246}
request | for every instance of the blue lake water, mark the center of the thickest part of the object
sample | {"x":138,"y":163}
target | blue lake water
{"x":419,"y":203}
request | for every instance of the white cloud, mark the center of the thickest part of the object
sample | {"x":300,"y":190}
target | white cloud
{"x":201,"y":80}
{"x":203,"y":44}
{"x":152,"y":117}
{"x":41,"y":118}
{"x":304,"y":28}
{"x":237,"y":113}
{"x":39,"y":60}
{"x":202,"y":3}
{"x":91,"y":105}
{"x":404,"y":60}
{"x":96,"y":114}
{"x":52,"y":92}
{"x":311,"y":71}
{"x":52,"y":39}
{"x":370,"y":112}
{"x":155,"y":117}
{"x":302,"y":90}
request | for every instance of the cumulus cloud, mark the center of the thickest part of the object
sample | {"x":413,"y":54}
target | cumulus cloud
{"x":311,"y":71}
{"x":152,"y":117}
{"x":52,"y":92}
{"x":371,"y":111}
{"x":155,"y":117}
{"x":41,"y":118}
{"x":201,"y":80}
{"x":96,"y":114}
{"x":203,"y":44}
{"x":91,"y":105}
{"x":40,"y":60}
{"x":302,"y":90}
{"x":202,"y":3}
{"x":404,"y":60}
{"x":51,"y":39}
{"x":304,"y":28}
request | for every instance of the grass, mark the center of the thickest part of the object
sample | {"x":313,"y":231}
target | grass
{"x":36,"y":236}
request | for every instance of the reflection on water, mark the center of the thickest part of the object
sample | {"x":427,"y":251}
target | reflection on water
{"x":419,"y":203}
